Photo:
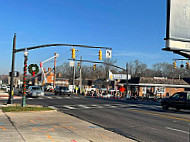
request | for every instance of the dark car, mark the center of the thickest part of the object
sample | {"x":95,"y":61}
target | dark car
{"x":59,"y":90}
{"x":179,"y":100}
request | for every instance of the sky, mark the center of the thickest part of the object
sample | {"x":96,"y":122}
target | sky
{"x":134,"y":29}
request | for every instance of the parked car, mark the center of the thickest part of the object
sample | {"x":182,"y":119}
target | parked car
{"x":59,"y":90}
{"x":35,"y":91}
{"x":3,"y":87}
{"x":179,"y":100}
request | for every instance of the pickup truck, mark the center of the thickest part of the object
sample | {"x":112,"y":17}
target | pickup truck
{"x":179,"y":100}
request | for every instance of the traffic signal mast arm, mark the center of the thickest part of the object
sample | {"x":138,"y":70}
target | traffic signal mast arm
{"x":99,"y":63}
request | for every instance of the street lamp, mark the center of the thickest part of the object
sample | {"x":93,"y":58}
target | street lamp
{"x":24,"y":78}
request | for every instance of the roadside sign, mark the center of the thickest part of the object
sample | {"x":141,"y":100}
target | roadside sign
{"x":15,"y":74}
{"x":72,"y":64}
{"x":108,"y":53}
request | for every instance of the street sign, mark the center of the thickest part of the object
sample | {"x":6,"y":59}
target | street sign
{"x":71,"y":63}
{"x":108,"y":53}
{"x":15,"y":74}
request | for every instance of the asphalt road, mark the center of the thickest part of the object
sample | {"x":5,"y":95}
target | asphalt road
{"x":141,"y":121}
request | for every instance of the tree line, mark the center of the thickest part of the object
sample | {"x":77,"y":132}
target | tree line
{"x":136,"y":68}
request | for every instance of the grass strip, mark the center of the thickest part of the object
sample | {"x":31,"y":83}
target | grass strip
{"x":21,"y":109}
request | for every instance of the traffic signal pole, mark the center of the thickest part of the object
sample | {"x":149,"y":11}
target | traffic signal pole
{"x":81,"y":75}
{"x":10,"y":100}
{"x":127,"y":73}
{"x":54,"y":78}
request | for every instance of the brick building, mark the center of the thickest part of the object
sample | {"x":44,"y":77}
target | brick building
{"x":156,"y":87}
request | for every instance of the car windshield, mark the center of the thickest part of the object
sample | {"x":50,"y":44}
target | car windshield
{"x":36,"y":88}
{"x":176,"y":96}
{"x":65,"y":88}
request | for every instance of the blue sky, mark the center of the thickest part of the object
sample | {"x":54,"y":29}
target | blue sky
{"x":134,"y":29}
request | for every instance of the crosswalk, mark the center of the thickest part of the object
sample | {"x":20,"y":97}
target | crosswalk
{"x":55,"y":97}
{"x":99,"y":106}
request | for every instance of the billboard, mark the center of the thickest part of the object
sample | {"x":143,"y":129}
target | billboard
{"x":178,"y":25}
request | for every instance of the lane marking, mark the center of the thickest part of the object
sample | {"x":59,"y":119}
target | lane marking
{"x":83,"y":106}
{"x":185,"y":132}
{"x":161,"y":115}
{"x":69,"y":107}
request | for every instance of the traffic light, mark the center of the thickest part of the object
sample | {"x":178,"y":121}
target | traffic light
{"x":100,"y":54}
{"x":73,"y":53}
{"x":174,"y":65}
{"x":187,"y":65}
{"x":94,"y":67}
{"x":78,"y":65}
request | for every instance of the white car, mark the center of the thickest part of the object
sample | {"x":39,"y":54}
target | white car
{"x":35,"y":91}
{"x":3,"y":87}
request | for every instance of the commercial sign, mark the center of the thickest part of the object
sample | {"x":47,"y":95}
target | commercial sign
{"x":113,"y":77}
{"x":178,"y":25}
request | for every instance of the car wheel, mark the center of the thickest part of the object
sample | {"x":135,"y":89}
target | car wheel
{"x":55,"y":93}
{"x":165,"y":107}
{"x":68,"y":94}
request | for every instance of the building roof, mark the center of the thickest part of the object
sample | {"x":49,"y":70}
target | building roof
{"x":158,"y":80}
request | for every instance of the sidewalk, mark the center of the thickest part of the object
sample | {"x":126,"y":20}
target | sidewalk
{"x":51,"y":126}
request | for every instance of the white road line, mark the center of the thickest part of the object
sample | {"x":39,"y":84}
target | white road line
{"x":94,"y":105}
{"x":59,"y":97}
{"x":49,"y":97}
{"x":69,"y":107}
{"x":83,"y":106}
{"x":107,"y":105}
{"x":30,"y":98}
{"x":40,"y":98}
{"x":185,"y":132}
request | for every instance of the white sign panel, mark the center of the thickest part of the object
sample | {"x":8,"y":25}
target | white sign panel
{"x":179,"y":25}
{"x":113,"y":77}
{"x":108,"y":53}
{"x":71,"y":63}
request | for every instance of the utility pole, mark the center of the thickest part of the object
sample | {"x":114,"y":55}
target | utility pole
{"x":54,"y":78}
{"x":11,"y":93}
{"x":81,"y":75}
{"x":74,"y":73}
{"x":127,"y":73}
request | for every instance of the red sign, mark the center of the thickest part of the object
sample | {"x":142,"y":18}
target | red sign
{"x":122,"y":89}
